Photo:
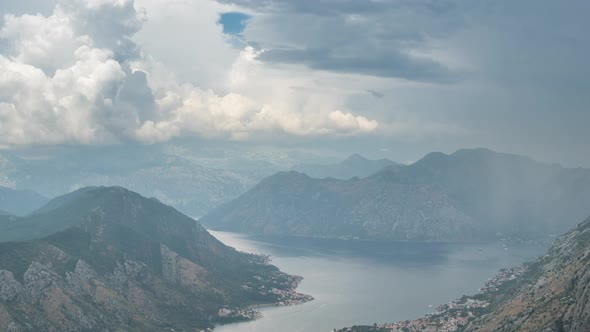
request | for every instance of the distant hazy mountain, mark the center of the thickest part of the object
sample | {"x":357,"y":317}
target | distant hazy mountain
{"x":467,"y":195}
{"x":110,"y":259}
{"x":174,"y":179}
{"x":192,"y":178}
{"x":20,"y":202}
{"x":547,"y":295}
{"x":354,"y":166}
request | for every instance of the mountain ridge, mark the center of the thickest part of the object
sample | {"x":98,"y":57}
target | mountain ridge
{"x":354,"y":165}
{"x":470,"y":194}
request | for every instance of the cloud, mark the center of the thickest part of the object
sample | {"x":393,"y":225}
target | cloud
{"x":188,"y":110}
{"x":111,"y":23}
{"x":392,"y":63}
{"x":78,"y":76}
{"x":40,"y":109}
{"x":47,"y":43}
{"x":375,"y":38}
{"x":413,"y":75}
{"x":504,"y":74}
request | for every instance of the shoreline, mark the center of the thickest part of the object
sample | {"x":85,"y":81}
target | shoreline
{"x":252,"y":312}
{"x":253,"y":236}
{"x":455,"y":315}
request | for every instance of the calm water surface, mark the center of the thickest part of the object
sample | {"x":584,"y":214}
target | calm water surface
{"x":363,"y":282}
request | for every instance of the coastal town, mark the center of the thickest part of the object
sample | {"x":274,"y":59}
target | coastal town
{"x":284,"y":294}
{"x":282,"y":289}
{"x":450,"y":317}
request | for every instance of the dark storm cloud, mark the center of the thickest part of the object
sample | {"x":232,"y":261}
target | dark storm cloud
{"x":387,"y":64}
{"x":361,"y":37}
{"x":507,"y":40}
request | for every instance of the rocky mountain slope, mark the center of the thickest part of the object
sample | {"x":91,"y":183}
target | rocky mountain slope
{"x":107,"y":258}
{"x":20,"y":202}
{"x":353,"y":166}
{"x":551,"y":294}
{"x":470,"y":194}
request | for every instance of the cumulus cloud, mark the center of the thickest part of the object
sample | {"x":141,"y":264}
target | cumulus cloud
{"x":47,"y":43}
{"x":40,"y":109}
{"x":78,"y":76}
{"x":57,"y":85}
{"x":188,"y":110}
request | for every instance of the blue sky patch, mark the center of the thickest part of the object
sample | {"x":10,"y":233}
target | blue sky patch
{"x":233,"y":22}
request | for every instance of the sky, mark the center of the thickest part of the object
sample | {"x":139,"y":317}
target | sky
{"x":386,"y":78}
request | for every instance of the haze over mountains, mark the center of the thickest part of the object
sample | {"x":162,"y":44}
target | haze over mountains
{"x":472,"y":194}
{"x":193,"y":182}
{"x":20,"y":202}
{"x":175,"y":179}
{"x":129,"y":128}
{"x":106,"y":258}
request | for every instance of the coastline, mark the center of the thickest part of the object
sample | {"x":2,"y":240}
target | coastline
{"x":289,"y":297}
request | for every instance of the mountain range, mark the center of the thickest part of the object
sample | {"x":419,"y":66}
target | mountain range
{"x":109,"y":259}
{"x":472,"y":194}
{"x":20,"y":202}
{"x":173,"y":177}
{"x":192,"y":179}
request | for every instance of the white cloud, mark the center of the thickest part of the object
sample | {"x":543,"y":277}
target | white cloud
{"x":64,"y":108}
{"x":351,"y":122}
{"x":188,"y":110}
{"x":71,"y":78}
{"x":44,"y":42}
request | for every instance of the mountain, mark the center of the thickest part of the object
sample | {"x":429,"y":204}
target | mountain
{"x":20,"y":202}
{"x":353,"y":166}
{"x":193,"y":178}
{"x":468,"y":195}
{"x":174,"y":177}
{"x":551,"y":294}
{"x":292,"y":203}
{"x":107,"y":258}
